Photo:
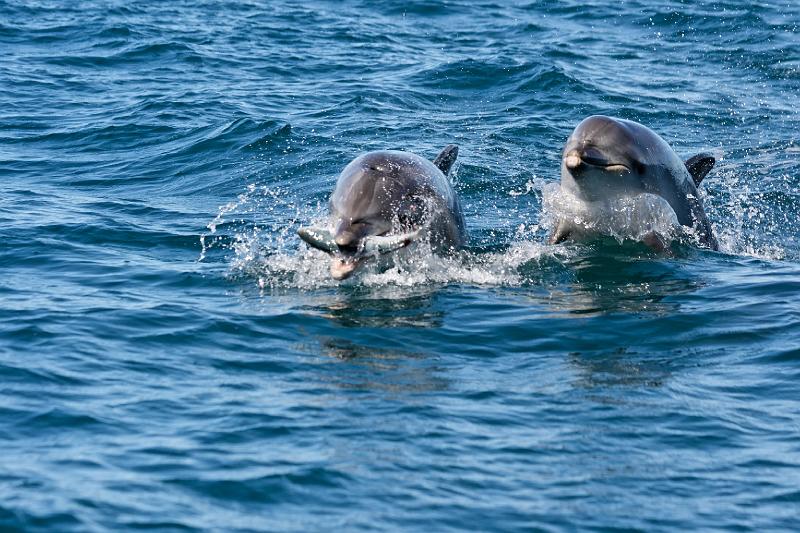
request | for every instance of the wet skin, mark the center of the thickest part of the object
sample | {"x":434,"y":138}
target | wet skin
{"x":607,"y":157}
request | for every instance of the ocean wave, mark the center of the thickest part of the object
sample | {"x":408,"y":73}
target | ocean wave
{"x":173,"y":357}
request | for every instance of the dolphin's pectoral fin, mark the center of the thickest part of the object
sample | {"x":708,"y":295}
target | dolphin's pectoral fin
{"x":656,"y":242}
{"x":321,"y":239}
{"x":385,"y":244}
{"x":446,"y":158}
{"x":699,"y":165}
{"x":559,"y":235}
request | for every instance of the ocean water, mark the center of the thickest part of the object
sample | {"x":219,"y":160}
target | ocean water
{"x":173,"y":358}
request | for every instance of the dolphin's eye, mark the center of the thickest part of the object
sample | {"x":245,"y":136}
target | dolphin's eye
{"x":411,"y":210}
{"x":412,"y":204}
{"x":639,"y":167}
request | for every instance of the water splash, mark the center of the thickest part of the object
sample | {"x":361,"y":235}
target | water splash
{"x":623,"y":218}
{"x":260,"y":219}
{"x":307,"y":269}
{"x":755,"y":208}
{"x":270,"y":252}
{"x":750,"y":218}
{"x":256,"y":236}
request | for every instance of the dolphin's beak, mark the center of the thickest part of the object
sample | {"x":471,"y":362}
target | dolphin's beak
{"x":572,"y":160}
{"x":342,"y":266}
{"x":576,"y":160}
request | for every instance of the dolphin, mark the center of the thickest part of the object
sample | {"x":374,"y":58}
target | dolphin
{"x":384,"y":201}
{"x":615,"y":168}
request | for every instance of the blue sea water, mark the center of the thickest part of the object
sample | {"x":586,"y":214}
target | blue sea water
{"x":173,"y":358}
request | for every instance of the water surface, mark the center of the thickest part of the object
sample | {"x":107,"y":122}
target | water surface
{"x":173,"y":358}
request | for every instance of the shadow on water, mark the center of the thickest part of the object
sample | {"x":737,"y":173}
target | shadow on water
{"x":370,"y":368}
{"x":620,"y":299}
{"x":379,"y":307}
{"x":605,"y":278}
{"x":362,"y":342}
{"x":614,"y":295}
{"x":618,"y":367}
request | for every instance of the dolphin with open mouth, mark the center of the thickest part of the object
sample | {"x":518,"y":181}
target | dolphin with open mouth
{"x":384,"y":201}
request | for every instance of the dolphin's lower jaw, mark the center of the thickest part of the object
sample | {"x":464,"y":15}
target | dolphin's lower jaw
{"x":593,"y":178}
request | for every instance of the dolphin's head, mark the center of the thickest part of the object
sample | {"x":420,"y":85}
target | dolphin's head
{"x":374,"y":209}
{"x":602,"y":159}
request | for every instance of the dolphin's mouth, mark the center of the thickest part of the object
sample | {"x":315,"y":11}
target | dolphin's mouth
{"x":575,"y":160}
{"x":343,"y":264}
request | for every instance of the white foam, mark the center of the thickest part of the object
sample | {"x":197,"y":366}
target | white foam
{"x":266,"y":248}
{"x":305,"y":268}
{"x":753,"y":215}
{"x":622,"y":217}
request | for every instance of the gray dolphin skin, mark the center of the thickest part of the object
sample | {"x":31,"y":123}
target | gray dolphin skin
{"x":608,"y":158}
{"x":384,"y":201}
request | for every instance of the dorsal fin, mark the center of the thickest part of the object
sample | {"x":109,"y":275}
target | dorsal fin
{"x":699,"y":165}
{"x":446,"y":158}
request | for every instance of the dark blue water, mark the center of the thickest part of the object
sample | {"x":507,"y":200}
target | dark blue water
{"x":172,"y":358}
